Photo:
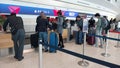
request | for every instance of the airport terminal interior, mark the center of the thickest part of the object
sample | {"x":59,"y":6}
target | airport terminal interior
{"x":60,"y":34}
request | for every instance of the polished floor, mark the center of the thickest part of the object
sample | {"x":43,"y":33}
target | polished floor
{"x":63,"y":60}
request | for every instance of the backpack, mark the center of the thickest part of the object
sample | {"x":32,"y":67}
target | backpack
{"x":104,"y":23}
{"x":108,"y":26}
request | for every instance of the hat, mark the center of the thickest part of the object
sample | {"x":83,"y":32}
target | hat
{"x":78,"y":17}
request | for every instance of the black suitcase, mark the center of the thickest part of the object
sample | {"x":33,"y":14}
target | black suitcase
{"x":34,"y":40}
{"x":78,"y":37}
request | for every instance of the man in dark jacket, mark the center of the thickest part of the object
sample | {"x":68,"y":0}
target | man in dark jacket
{"x":42,"y":13}
{"x":42,"y":26}
{"x":18,"y":34}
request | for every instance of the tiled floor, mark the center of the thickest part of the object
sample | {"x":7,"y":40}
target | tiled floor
{"x":63,"y":60}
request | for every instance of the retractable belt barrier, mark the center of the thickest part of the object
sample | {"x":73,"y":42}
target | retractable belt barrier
{"x":104,"y":37}
{"x":101,"y":62}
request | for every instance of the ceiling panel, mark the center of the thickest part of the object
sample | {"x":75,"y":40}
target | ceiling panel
{"x":109,"y":4}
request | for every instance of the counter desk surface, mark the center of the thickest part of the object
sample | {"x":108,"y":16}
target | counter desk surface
{"x":5,"y":40}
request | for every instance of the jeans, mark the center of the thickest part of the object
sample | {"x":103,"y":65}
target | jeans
{"x":68,"y":38}
{"x":18,"y":40}
{"x":44,"y":37}
{"x":98,"y":32}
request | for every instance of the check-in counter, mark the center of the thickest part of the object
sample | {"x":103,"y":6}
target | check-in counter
{"x":6,"y":44}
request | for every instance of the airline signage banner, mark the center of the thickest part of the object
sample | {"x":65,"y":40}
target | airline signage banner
{"x":7,"y":8}
{"x":71,"y":14}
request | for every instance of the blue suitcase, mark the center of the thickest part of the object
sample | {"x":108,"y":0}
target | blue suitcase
{"x":79,"y":37}
{"x":53,"y":41}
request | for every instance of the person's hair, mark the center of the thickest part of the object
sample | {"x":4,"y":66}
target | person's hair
{"x":105,"y":16}
{"x":41,"y":12}
{"x":78,"y":17}
{"x":48,"y":18}
{"x":59,"y":12}
{"x":97,"y":14}
{"x":13,"y":14}
{"x":56,"y":18}
{"x":114,"y":20}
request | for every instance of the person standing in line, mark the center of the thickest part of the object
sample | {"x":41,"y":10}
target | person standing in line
{"x":105,"y":29}
{"x":111,"y":20}
{"x":98,"y":30}
{"x":42,"y":13}
{"x":115,"y":22}
{"x":91,"y":23}
{"x":42,"y":27}
{"x":60,"y":20}
{"x":18,"y":34}
{"x":79,"y":22}
{"x":69,"y":29}
{"x":78,"y":32}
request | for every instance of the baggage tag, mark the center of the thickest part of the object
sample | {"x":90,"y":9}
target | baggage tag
{"x":85,"y":25}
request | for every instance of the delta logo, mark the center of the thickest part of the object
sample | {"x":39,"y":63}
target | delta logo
{"x":55,"y":12}
{"x":14,"y":9}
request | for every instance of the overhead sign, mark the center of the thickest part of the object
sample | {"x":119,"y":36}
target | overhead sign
{"x":14,"y":9}
{"x":8,"y":8}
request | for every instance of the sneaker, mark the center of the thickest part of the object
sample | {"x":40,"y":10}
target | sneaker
{"x":62,"y":46}
{"x":19,"y":59}
{"x":59,"y":45}
{"x":15,"y":57}
{"x":46,"y":50}
{"x":101,"y":46}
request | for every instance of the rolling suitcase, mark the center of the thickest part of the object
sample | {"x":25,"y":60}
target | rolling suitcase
{"x":53,"y":41}
{"x":34,"y":40}
{"x":78,"y":37}
{"x":90,"y":40}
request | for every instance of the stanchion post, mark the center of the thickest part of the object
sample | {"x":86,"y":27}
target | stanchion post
{"x":117,"y":46}
{"x":83,"y":62}
{"x":106,"y":46}
{"x":40,"y":54}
